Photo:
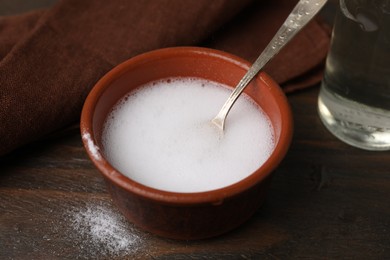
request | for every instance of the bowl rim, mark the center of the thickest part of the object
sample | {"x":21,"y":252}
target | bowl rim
{"x":216,"y":196}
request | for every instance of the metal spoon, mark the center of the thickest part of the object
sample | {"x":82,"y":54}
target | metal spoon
{"x":302,"y":13}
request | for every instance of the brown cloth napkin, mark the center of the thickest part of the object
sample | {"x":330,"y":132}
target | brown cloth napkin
{"x":50,"y":59}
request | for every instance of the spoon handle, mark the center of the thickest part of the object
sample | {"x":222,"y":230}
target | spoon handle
{"x":302,"y":13}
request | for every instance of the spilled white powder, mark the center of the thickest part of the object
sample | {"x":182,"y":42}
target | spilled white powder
{"x":91,"y":146}
{"x":161,"y":136}
{"x":103,"y":231}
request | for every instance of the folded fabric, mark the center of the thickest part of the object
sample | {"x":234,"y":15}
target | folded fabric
{"x":50,"y":59}
{"x":299,"y":64}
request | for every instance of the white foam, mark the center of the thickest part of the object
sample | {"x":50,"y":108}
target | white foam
{"x":161,"y":136}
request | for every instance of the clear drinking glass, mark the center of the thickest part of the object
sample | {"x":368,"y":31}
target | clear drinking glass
{"x":354,"y":101}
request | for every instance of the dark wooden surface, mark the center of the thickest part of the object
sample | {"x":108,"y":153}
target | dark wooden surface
{"x":327,"y":201}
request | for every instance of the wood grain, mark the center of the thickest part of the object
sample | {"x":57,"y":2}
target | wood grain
{"x":328,"y":200}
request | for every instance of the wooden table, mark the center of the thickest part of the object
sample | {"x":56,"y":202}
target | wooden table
{"x":328,"y":200}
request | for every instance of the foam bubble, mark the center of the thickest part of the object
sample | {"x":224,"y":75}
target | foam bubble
{"x":161,"y":136}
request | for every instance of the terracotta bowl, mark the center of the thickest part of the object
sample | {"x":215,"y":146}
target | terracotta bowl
{"x":185,"y":215}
